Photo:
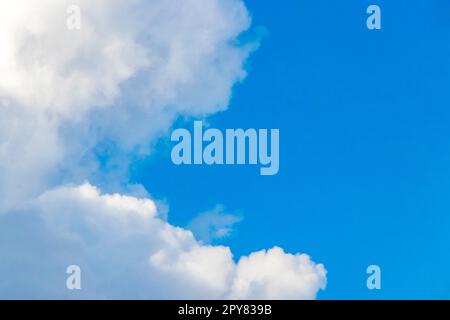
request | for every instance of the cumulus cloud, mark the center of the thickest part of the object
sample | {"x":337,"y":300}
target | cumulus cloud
{"x":275,"y":274}
{"x":81,"y":105}
{"x":126,"y":251}
{"x":133,"y":64}
{"x":182,"y":51}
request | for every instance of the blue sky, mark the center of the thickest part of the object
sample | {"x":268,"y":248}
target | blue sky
{"x":364,"y":174}
{"x":365,"y":156}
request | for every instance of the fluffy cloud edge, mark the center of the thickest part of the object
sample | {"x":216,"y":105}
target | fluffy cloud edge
{"x":74,"y":95}
{"x":122,"y":240}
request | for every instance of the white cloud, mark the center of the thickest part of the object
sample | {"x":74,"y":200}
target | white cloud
{"x":214,"y":224}
{"x":47,"y":67}
{"x":120,"y":242}
{"x":274,"y":274}
{"x":110,"y":89}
